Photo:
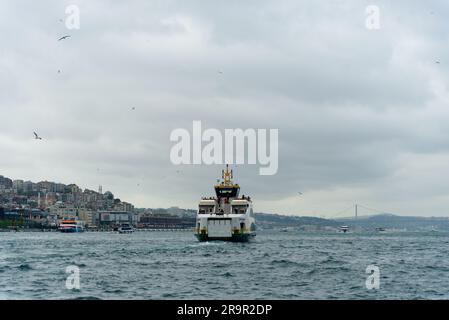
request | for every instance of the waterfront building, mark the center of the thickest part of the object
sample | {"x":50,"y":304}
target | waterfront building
{"x":5,"y":182}
{"x":63,"y":210}
{"x":86,"y":215}
{"x":18,"y":185}
{"x":111,"y":218}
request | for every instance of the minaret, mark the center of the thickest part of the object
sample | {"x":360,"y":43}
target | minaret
{"x":100,"y":189}
{"x":39,"y":199}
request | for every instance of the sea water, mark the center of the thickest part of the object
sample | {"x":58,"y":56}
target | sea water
{"x":174,"y":265}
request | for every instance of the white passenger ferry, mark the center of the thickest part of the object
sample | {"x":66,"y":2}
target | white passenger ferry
{"x":125,"y":228}
{"x":227,"y":216}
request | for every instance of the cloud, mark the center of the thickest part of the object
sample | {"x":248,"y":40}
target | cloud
{"x":358,"y":111}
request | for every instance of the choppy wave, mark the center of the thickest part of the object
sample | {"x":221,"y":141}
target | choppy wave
{"x":24,"y":267}
{"x":160,"y":265}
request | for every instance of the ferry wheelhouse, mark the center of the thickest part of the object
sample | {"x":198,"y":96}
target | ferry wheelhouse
{"x":227,"y":216}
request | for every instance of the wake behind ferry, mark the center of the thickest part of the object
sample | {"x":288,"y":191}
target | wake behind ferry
{"x":227,"y":216}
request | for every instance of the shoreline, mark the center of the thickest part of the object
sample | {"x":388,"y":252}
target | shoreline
{"x":92,"y":231}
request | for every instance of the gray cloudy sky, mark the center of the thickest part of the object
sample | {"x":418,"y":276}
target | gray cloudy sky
{"x":363,"y":115}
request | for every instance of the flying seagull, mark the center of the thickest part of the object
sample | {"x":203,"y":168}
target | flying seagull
{"x":437,"y":62}
{"x":64,"y":37}
{"x":219,"y":71}
{"x":133,"y":108}
{"x":36,"y":136}
{"x":300,"y":193}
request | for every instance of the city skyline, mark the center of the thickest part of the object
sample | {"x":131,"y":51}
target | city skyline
{"x":47,"y":194}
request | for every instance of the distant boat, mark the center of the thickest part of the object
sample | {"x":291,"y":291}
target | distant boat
{"x":380,"y":229}
{"x":125,"y":228}
{"x":344,"y":229}
{"x":71,"y":226}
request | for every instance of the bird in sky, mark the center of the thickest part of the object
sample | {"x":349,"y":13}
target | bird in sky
{"x":437,"y":62}
{"x":36,"y":136}
{"x":219,"y":71}
{"x":64,"y":37}
{"x":133,"y":108}
{"x":300,"y":193}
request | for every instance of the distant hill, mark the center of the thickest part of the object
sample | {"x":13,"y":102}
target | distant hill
{"x":267,"y":221}
{"x":370,"y":223}
{"x":173,"y":211}
{"x":391,"y":221}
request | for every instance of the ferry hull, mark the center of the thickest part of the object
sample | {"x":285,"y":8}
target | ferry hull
{"x":234,"y":238}
{"x":125,"y":231}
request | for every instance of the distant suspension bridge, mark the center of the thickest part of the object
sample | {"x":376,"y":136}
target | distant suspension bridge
{"x":357,"y":210}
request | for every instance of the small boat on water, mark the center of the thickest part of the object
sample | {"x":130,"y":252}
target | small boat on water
{"x":71,"y":226}
{"x":343,"y":229}
{"x":228,"y":216}
{"x":125,"y":228}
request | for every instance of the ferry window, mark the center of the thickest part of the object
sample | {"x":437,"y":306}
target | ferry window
{"x":239,"y":209}
{"x":205,"y":209}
